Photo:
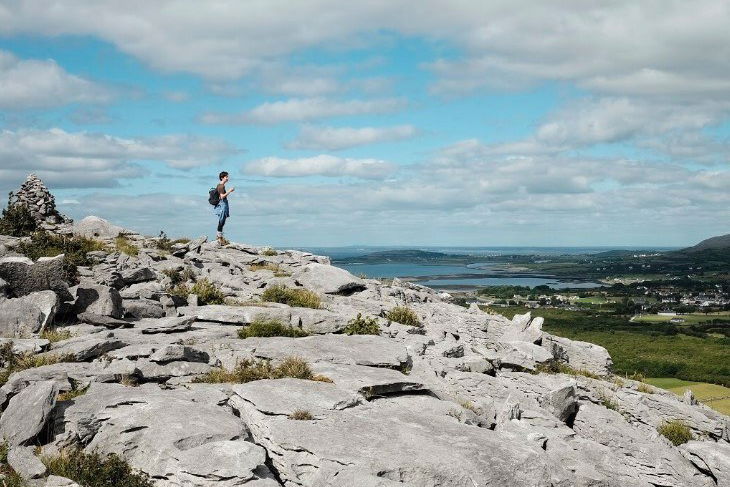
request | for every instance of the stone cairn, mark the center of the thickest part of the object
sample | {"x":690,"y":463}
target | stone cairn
{"x":34,"y":195}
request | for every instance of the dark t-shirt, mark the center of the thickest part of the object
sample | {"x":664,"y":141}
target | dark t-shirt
{"x":221,"y":189}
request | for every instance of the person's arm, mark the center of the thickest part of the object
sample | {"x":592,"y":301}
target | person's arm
{"x":225,"y":195}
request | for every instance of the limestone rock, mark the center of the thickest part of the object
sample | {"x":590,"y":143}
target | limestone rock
{"x":34,"y":195}
{"x":328,"y":279}
{"x":25,"y":463}
{"x":98,"y":300}
{"x":31,"y":313}
{"x":711,"y":458}
{"x":141,"y":274}
{"x":142,"y":308}
{"x":24,"y":276}
{"x":27,"y":413}
{"x":561,"y":402}
{"x":236,"y":315}
{"x":101,"y":320}
{"x":166,"y":325}
{"x":86,"y":347}
{"x":524,"y":328}
{"x":26,"y":345}
{"x":170,"y":353}
{"x":579,"y":355}
{"x":95,"y":227}
{"x":56,"y":481}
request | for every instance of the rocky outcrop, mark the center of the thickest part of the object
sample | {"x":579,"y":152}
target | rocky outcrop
{"x":458,"y":401}
{"x":24,"y":316}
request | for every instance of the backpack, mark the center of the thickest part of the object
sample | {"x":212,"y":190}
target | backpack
{"x":214,"y":196}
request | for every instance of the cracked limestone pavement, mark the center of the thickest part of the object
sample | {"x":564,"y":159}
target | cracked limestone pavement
{"x":458,"y":401}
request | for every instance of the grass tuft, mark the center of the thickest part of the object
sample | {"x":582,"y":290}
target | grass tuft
{"x":269,"y":252}
{"x":556,"y":367}
{"x":362,"y":326}
{"x":607,"y":401}
{"x":646,"y":388}
{"x":301,"y":298}
{"x":12,"y":363}
{"x":96,"y":470}
{"x":301,"y":415}
{"x":675,"y":431}
{"x":207,"y":292}
{"x":125,"y":246}
{"x":72,"y":394}
{"x":268,"y":266}
{"x":54,"y":335}
{"x":251,"y":370}
{"x":262,"y":327}
{"x":403,"y":315}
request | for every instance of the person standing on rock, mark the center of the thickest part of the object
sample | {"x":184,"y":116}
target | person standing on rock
{"x":221,"y":209}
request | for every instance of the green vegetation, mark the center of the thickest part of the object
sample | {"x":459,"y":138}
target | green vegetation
{"x":652,"y":349}
{"x":362,"y":326}
{"x":607,"y":401}
{"x":404,"y":316}
{"x":301,"y":415}
{"x":262,"y":327}
{"x":268,"y":266}
{"x":251,"y":370}
{"x":17,"y":220}
{"x":164,"y":244}
{"x":179,"y":276}
{"x":95,"y":470}
{"x":556,"y":367}
{"x":8,"y":477}
{"x":207,"y":292}
{"x":73,"y":393}
{"x":269,"y":252}
{"x":645,"y":388}
{"x":54,"y":335}
{"x":715,"y":396}
{"x":74,"y":248}
{"x":302,"y":298}
{"x":11,"y":363}
{"x":125,"y":246}
{"x":675,"y":431}
{"x":668,"y":382}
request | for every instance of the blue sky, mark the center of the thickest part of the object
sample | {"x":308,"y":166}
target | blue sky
{"x":465,"y":123}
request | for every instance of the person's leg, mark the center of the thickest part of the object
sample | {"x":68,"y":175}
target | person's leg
{"x":221,"y":223}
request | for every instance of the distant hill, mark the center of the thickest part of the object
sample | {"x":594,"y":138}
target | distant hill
{"x":401,"y":255}
{"x":721,"y":242}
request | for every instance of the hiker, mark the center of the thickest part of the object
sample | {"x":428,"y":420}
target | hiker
{"x":221,"y":208}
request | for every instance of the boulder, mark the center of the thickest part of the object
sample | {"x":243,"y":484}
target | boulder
{"x":57,"y":481}
{"x":24,"y":276}
{"x":579,"y":355}
{"x":95,"y":227}
{"x":105,"y":321}
{"x":561,"y":402}
{"x":26,"y":345}
{"x":328,"y":279}
{"x":86,"y":347}
{"x":29,"y":314}
{"x":141,"y":274}
{"x":523,"y":356}
{"x":179,"y":437}
{"x":98,"y":300}
{"x":524,"y":329}
{"x":711,"y":458}
{"x":170,"y":353}
{"x":27,"y":413}
{"x":142,"y":308}
{"x":166,"y":325}
{"x":25,"y":463}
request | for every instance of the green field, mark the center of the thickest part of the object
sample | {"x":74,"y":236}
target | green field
{"x":713,"y":395}
{"x":642,"y":347}
{"x":596,"y":300}
{"x":690,"y":318}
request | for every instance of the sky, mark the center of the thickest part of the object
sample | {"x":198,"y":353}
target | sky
{"x":469,"y":123}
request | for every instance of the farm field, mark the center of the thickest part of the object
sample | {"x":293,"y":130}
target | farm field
{"x":690,"y":318}
{"x":641,"y":347}
{"x":702,"y":391}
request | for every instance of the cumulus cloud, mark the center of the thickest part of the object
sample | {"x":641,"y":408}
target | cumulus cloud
{"x":337,"y":138}
{"x":80,"y":159}
{"x":304,"y":109}
{"x":617,"y":47}
{"x":321,"y":165}
{"x":43,"y":83}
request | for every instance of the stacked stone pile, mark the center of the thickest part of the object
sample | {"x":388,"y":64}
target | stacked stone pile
{"x":42,"y":204}
{"x":460,"y":401}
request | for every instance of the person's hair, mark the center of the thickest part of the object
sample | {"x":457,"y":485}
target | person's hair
{"x":222,"y":175}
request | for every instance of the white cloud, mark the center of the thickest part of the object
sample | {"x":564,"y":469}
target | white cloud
{"x":303,"y":109}
{"x":177,"y":96}
{"x":321,"y":165}
{"x":337,"y":138}
{"x":80,"y":159}
{"x":618,"y":47}
{"x":42,"y":84}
